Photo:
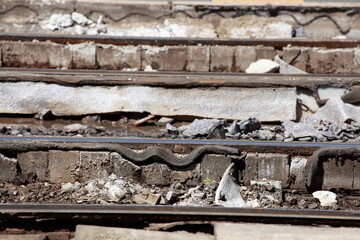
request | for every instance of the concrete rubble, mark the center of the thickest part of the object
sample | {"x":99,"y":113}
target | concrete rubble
{"x":326,"y":198}
{"x":204,"y":127}
{"x":263,"y":66}
{"x":70,"y":101}
{"x":335,"y":110}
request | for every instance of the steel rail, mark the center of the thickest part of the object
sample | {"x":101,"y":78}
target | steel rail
{"x":115,"y":40}
{"x":141,"y":214}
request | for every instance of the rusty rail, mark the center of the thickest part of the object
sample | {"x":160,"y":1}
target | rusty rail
{"x":277,"y":43}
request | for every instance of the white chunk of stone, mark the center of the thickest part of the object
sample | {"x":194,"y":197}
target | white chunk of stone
{"x":79,"y":18}
{"x":228,"y":191}
{"x":329,"y":92}
{"x":272,"y":104}
{"x":61,"y":20}
{"x":263,"y":66}
{"x":326,"y":198}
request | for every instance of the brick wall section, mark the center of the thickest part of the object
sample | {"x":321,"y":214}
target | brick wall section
{"x":173,"y":58}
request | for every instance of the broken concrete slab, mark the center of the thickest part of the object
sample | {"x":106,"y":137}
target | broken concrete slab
{"x":30,"y":98}
{"x":24,"y":237}
{"x":263,"y":66}
{"x":285,"y":68}
{"x":84,"y":232}
{"x":335,"y":110}
{"x":250,"y":231}
{"x":35,"y":162}
{"x":228,"y":191}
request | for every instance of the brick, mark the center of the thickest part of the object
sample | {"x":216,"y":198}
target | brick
{"x":274,"y":167}
{"x":167,"y":58}
{"x":221,"y":58}
{"x":265,"y":53}
{"x":83,"y":55}
{"x":244,"y":56}
{"x":331,"y":61}
{"x":213,"y":166}
{"x":7,"y":168}
{"x":118,"y":57}
{"x":94,"y":165}
{"x":35,"y":162}
{"x":298,"y":172}
{"x":198,"y":59}
{"x":124,"y":168}
{"x":338,"y":173}
{"x":37,"y":55}
{"x":63,"y":166}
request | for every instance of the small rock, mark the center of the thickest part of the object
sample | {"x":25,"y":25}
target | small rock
{"x":171,"y":129}
{"x":80,"y":30}
{"x":202,"y":127}
{"x":45,"y":114}
{"x":268,"y":184}
{"x":299,"y":130}
{"x":148,"y":68}
{"x":234,"y":128}
{"x":326,"y":198}
{"x":148,"y":198}
{"x":75,"y":127}
{"x":164,"y":121}
{"x":303,"y":204}
{"x":3,"y":129}
{"x":263,"y":66}
{"x":249,"y":125}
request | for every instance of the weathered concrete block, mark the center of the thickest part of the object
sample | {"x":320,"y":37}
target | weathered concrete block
{"x":274,"y":167}
{"x":266,"y":165}
{"x":124,"y":168}
{"x":190,"y":176}
{"x":7,"y":168}
{"x":356,"y":67}
{"x":83,"y":55}
{"x":63,"y":166}
{"x":35,"y":162}
{"x":265,"y":53}
{"x":65,"y":100}
{"x":155,"y":174}
{"x":251,"y":168}
{"x":118,"y":57}
{"x":167,"y":58}
{"x":36,"y":55}
{"x":297,"y":57}
{"x":94,"y":165}
{"x":24,"y":237}
{"x":243,"y":57}
{"x":331,"y":60}
{"x":94,"y":232}
{"x":221,"y":58}
{"x":338,"y":173}
{"x":213,"y":166}
{"x":298,"y":172}
{"x":198,"y":59}
{"x":356,"y":184}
